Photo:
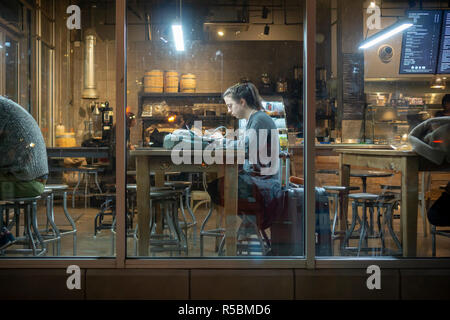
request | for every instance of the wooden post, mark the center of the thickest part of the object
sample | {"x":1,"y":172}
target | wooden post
{"x":121,"y":98}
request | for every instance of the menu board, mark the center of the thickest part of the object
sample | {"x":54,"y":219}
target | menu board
{"x":444,"y":52}
{"x":420,"y":44}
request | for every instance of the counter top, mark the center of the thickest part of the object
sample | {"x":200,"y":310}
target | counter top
{"x":76,"y":152}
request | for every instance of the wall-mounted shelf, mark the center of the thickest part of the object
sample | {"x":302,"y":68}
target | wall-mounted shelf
{"x":179,"y":103}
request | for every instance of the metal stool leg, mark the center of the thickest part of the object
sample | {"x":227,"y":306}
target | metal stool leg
{"x":352,"y":227}
{"x":335,"y":218}
{"x":191,"y":213}
{"x":27,"y":231}
{"x":75,"y":189}
{"x":96,"y":182}
{"x":50,"y":219}
{"x":86,"y":179}
{"x":202,"y":228}
{"x":381,"y":230}
{"x":33,"y":209}
{"x":390,"y":229}
{"x":363,"y":231}
{"x":72,"y":223}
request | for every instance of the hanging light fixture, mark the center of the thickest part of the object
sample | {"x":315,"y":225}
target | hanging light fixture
{"x":438,"y":83}
{"x":386,"y":33}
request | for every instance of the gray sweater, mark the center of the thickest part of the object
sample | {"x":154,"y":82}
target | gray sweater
{"x":22,"y":148}
{"x":258,"y":122}
{"x":431,"y":139}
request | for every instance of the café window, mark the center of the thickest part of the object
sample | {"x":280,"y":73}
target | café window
{"x":62,"y":82}
{"x":182,"y":56}
{"x":381,"y":74}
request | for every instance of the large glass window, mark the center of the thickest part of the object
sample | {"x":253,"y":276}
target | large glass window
{"x":64,"y":79}
{"x":372,"y":97}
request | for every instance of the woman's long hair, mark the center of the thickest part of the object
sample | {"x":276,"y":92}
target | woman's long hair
{"x":246,"y":91}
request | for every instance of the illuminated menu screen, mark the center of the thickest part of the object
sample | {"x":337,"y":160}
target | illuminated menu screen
{"x":444,"y":52}
{"x":420,"y":44}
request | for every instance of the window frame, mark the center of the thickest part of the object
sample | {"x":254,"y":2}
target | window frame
{"x":310,"y":261}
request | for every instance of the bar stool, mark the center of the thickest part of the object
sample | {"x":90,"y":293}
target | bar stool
{"x":364,"y":174}
{"x":61,"y":190}
{"x":29,"y":207}
{"x":86,"y":171}
{"x":337,"y":193}
{"x":184,"y":190}
{"x":371,"y":201}
{"x":166,"y":202}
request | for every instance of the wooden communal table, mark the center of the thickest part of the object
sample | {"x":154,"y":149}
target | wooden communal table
{"x":408,"y":163}
{"x":159,"y":161}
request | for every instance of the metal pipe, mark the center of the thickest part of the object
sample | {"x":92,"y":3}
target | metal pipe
{"x":90,"y":87}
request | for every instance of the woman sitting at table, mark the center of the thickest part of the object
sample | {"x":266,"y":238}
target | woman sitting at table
{"x":258,"y":178}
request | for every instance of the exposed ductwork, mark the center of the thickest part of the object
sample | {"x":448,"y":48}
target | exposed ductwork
{"x":90,"y":86}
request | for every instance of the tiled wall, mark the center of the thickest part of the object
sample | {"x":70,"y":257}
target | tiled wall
{"x":217,"y":65}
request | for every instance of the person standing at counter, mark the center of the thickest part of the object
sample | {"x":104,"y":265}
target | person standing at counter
{"x":255,"y":184}
{"x":445,"y":106}
{"x":23,"y":158}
